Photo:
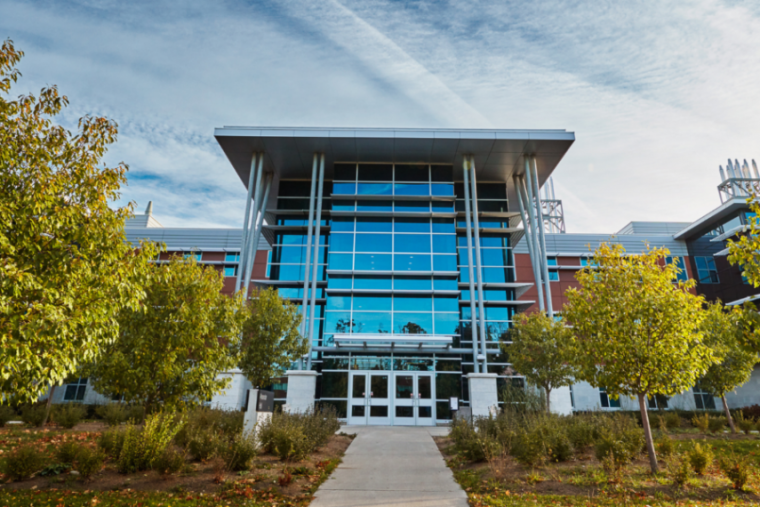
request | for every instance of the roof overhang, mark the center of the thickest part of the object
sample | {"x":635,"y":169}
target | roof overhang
{"x":709,"y":221}
{"x":498,"y":153}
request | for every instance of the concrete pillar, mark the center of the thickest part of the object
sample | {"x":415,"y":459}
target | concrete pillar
{"x":483,"y":396}
{"x":253,"y":418}
{"x":302,"y":386}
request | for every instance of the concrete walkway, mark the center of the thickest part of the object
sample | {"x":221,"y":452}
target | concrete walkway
{"x":391,"y":466}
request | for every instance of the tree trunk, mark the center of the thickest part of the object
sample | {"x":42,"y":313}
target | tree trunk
{"x":648,"y":433}
{"x":728,"y":414}
{"x":49,"y":404}
{"x":548,"y":396}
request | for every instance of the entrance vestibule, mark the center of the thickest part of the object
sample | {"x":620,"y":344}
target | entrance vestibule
{"x":402,"y":398}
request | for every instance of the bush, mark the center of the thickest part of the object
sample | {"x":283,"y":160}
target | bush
{"x":701,"y":422}
{"x":239,"y":452}
{"x":294,"y":436}
{"x":204,"y":443}
{"x":136,"y":414}
{"x":171,"y":461}
{"x":68,"y":415}
{"x":736,"y":469}
{"x":473,"y":445}
{"x":679,"y":472}
{"x":543,"y":440}
{"x":24,"y":462}
{"x":716,"y":424}
{"x":111,"y":441}
{"x":665,"y":446}
{"x":67,"y":452}
{"x":113,"y":414}
{"x":226,"y":422}
{"x":672,"y":420}
{"x":33,"y":415}
{"x":752,"y":412}
{"x":743,"y":423}
{"x":700,"y":458}
{"x":620,"y":437}
{"x":6,"y":414}
{"x":581,"y":431}
{"x":88,"y":462}
{"x":142,"y":447}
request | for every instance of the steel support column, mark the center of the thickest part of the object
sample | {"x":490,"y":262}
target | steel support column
{"x":257,"y":234}
{"x":247,"y":221}
{"x":309,"y":231}
{"x":315,"y":264}
{"x":542,"y":239}
{"x":481,"y":311}
{"x":540,"y":258}
{"x":531,"y":248}
{"x":244,"y":259}
{"x":529,"y":237}
{"x":468,"y":226}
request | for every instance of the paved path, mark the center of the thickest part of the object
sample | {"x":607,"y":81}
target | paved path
{"x":391,"y":466}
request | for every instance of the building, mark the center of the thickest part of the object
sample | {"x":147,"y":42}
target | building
{"x":396,"y":244}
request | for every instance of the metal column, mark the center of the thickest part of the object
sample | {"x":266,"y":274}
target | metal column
{"x":535,"y":256}
{"x":540,"y":258}
{"x":246,"y":222}
{"x":257,"y":234}
{"x":315,"y":264}
{"x":244,"y":258}
{"x":310,"y":229}
{"x":542,"y":239}
{"x":531,"y":248}
{"x":474,"y":328}
{"x":474,"y":185}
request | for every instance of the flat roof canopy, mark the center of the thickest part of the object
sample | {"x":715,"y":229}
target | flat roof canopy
{"x":498,"y":153}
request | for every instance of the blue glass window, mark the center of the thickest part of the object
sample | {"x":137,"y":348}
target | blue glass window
{"x":340,"y":261}
{"x":442,"y":189}
{"x":290,"y":254}
{"x":443,"y":206}
{"x":413,"y":243}
{"x":412,"y":304}
{"x":493,"y":257}
{"x":706,"y":270}
{"x":403,"y":262}
{"x":444,"y":243}
{"x":413,"y":323}
{"x":343,"y":205}
{"x":682,"y":276}
{"x":445,"y":262}
{"x":339,"y":303}
{"x":413,"y":206}
{"x":230,"y":270}
{"x":412,"y":189}
{"x":375,"y":189}
{"x":341,"y":224}
{"x":232,"y":257}
{"x":606,"y":401}
{"x":373,"y":262}
{"x":289,"y":271}
{"x":374,"y":206}
{"x":498,"y":313}
{"x":495,"y":275}
{"x":290,"y":293}
{"x":551,"y":261}
{"x":446,"y":323}
{"x":553,"y":275}
{"x":497,"y":331}
{"x":194,"y":255}
{"x":445,"y":284}
{"x":379,"y":303}
{"x":344,"y":188}
{"x":444,"y":225}
{"x":446,"y":304}
{"x":372,"y":322}
{"x":341,"y":242}
{"x":367,"y":224}
{"x":412,"y":283}
{"x":337,"y":322}
{"x":372,"y":282}
{"x":374,"y":242}
{"x":412,"y":225}
{"x":339,"y":282}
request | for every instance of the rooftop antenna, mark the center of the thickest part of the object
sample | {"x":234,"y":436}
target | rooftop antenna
{"x":738,"y":180}
{"x":754,"y":169}
{"x":149,"y":209}
{"x":554,"y":215}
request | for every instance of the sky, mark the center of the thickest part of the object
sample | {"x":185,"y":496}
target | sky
{"x":659,"y":94}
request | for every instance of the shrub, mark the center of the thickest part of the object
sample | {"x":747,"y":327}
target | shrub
{"x":67,"y":452}
{"x":204,"y":443}
{"x":68,"y":415}
{"x":672,"y":420}
{"x":665,"y":446}
{"x":743,"y":423}
{"x":24,"y":462}
{"x":716,"y":424}
{"x":473,"y":445}
{"x":620,"y":437}
{"x":33,"y":415}
{"x":171,"y":461}
{"x":6,"y":414}
{"x":227,"y":422}
{"x":679,"y":472}
{"x":736,"y":469}
{"x":141,"y":447}
{"x":88,"y":462}
{"x":581,"y":433}
{"x":111,"y":441}
{"x":136,"y":414}
{"x":239,"y":452}
{"x":701,"y":422}
{"x":294,"y":436}
{"x":113,"y":414}
{"x":752,"y":412}
{"x":700,"y":458}
{"x":543,"y":440}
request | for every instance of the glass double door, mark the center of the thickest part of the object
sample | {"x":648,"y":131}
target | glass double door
{"x":391,"y":398}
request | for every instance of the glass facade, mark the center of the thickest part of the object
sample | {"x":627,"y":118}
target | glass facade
{"x":392,"y":261}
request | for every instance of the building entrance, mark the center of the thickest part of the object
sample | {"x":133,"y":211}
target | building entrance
{"x":402,"y":398}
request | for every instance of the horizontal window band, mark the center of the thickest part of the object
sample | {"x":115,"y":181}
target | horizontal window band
{"x":388,"y":197}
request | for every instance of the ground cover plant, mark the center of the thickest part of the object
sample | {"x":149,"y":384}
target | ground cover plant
{"x":529,"y":457}
{"x":151,"y":463}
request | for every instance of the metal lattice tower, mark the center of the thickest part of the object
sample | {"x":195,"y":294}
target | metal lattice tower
{"x":738,"y":180}
{"x":554,"y":215}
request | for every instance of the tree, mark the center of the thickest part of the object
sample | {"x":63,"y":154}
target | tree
{"x":541,"y":350}
{"x":636,"y":330}
{"x":271,"y":340}
{"x":171,"y":350}
{"x":65,"y":267}
{"x":723,"y":330}
{"x":746,"y":251}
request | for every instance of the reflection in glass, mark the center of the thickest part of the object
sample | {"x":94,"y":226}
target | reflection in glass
{"x":375,"y":189}
{"x":334,"y":384}
{"x":413,"y":304}
{"x":358,"y":386}
{"x":446,"y":323}
{"x":442,"y":189}
{"x":409,"y":323}
{"x":379,"y":386}
{"x":404,"y":387}
{"x":344,"y":188}
{"x":447,"y":385}
{"x":423,"y":387}
{"x":371,"y":322}
{"x":338,"y":322}
{"x":362,"y":302}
